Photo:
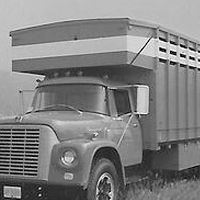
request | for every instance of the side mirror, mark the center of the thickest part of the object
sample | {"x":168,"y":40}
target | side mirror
{"x":141,"y":99}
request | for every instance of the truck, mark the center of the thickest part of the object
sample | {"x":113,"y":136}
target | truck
{"x":118,"y":98}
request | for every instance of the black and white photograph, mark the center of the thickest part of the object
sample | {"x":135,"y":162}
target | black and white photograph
{"x":99,"y":100}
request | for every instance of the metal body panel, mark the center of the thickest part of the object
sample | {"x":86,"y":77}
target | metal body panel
{"x":177,"y":103}
{"x":80,"y":30}
{"x":84,"y":43}
{"x":85,"y":150}
{"x":177,"y":157}
{"x":26,"y":151}
{"x":68,"y":131}
{"x":90,"y":60}
{"x":131,"y":142}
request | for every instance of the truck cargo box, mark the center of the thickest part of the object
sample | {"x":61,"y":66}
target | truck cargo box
{"x":129,"y":51}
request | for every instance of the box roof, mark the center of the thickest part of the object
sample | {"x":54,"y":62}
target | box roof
{"x":84,"y":22}
{"x":97,"y":43}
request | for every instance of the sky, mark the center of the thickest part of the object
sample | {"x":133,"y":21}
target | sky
{"x":179,"y":15}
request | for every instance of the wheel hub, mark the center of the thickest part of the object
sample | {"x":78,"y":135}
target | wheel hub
{"x":105,"y":187}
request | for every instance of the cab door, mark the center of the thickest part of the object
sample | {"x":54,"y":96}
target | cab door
{"x":126,"y":130}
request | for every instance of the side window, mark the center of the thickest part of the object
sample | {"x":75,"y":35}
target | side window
{"x":122,"y":101}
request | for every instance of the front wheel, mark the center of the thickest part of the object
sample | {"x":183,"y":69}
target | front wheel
{"x":104,"y":181}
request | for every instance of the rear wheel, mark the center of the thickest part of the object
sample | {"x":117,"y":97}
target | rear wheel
{"x":104,"y":181}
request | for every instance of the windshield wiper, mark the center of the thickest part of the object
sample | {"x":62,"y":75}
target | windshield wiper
{"x":58,"y":105}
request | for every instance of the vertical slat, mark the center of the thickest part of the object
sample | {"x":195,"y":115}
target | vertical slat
{"x":191,"y":102}
{"x":167,"y":98}
{"x":186,"y":101}
{"x":178,"y":90}
{"x":198,"y":103}
{"x":182,"y":102}
{"x":177,"y":101}
{"x":195,"y":103}
{"x":161,"y":102}
{"x":167,"y":86}
{"x":172,"y":104}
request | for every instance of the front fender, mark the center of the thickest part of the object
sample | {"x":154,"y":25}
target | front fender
{"x":85,"y":150}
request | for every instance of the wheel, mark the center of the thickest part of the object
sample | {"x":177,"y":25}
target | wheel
{"x":104,"y":181}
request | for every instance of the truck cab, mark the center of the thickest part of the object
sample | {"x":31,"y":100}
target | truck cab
{"x":79,"y":119}
{"x":91,"y":107}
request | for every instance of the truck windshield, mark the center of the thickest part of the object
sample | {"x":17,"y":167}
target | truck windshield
{"x":80,"y":98}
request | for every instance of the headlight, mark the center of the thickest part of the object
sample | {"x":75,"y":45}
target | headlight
{"x":68,"y":158}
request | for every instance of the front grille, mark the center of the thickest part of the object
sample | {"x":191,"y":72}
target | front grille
{"x":19,"y":152}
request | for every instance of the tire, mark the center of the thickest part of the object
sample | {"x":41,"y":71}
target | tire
{"x":104,"y":182}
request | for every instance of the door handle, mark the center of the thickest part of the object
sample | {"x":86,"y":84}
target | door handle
{"x":135,"y":125}
{"x":117,"y":119}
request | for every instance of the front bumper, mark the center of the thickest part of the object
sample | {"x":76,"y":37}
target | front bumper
{"x":37,"y":190}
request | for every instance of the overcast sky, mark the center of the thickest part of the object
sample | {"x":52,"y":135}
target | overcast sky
{"x":179,"y":15}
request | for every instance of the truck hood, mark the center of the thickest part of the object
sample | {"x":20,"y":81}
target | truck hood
{"x":66,"y":124}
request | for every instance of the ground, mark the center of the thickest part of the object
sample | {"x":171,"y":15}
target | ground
{"x":184,"y":188}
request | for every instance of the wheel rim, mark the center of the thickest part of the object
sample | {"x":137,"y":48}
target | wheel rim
{"x":105,"y":187}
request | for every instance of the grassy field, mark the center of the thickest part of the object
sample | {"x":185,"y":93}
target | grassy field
{"x":178,"y":189}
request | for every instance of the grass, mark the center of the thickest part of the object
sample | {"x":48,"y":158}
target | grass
{"x":160,"y":189}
